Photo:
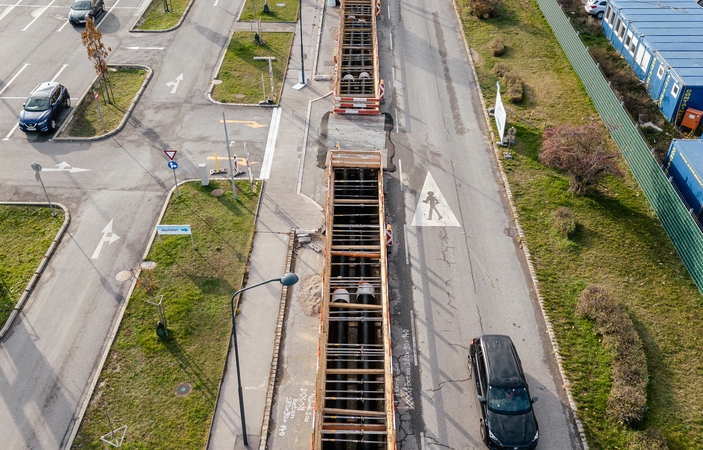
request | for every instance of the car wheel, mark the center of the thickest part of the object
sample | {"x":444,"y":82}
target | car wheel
{"x":52,"y":124}
{"x":483,"y":430}
{"x":470,"y":369}
{"x":599,"y":16}
{"x":67,"y":103}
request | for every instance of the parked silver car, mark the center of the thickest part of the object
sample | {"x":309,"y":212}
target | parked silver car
{"x":596,"y":8}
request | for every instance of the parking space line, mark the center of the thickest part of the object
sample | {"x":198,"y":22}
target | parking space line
{"x":7,"y":138}
{"x":59,"y":73}
{"x":105,"y":15}
{"x":13,"y":78}
{"x":7,"y":11}
{"x":38,"y":15}
{"x":66,"y":22}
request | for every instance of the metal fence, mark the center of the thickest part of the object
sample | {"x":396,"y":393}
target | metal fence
{"x":673,"y":214}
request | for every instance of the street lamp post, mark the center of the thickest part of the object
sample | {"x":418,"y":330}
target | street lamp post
{"x":288,"y":279}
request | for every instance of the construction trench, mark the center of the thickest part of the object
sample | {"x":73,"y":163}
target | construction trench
{"x":354,"y":388}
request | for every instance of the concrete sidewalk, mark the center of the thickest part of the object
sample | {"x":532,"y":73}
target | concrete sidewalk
{"x":281,"y":210}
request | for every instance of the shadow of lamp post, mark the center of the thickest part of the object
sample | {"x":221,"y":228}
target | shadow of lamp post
{"x":288,"y":279}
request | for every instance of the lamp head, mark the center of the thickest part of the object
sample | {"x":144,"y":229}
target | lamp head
{"x":289,"y":279}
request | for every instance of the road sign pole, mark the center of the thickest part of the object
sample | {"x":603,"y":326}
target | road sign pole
{"x":37,"y":168}
{"x":229,"y":157}
{"x":175,"y":181}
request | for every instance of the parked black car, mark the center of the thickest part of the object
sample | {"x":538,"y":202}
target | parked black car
{"x":507,"y":417}
{"x":41,"y":110}
{"x":82,"y":9}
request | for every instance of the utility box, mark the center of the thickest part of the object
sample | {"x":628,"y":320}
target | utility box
{"x":204,"y":176}
{"x":684,"y":164}
{"x":691,"y":118}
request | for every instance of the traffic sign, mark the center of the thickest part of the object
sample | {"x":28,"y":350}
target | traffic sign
{"x":171,"y":153}
{"x":173,"y":165}
{"x":95,"y":93}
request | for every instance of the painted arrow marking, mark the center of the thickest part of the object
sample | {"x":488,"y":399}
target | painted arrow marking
{"x":240,"y":161}
{"x":144,"y":48}
{"x":108,"y":236}
{"x":65,"y":167}
{"x":174,"y":83}
{"x":249,"y":123}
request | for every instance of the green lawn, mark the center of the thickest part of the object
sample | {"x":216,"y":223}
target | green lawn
{"x":86,"y":122}
{"x":278,"y":11}
{"x":138,"y":383}
{"x":26,"y":232}
{"x":155,"y":18}
{"x":619,"y":243}
{"x":241,"y":76}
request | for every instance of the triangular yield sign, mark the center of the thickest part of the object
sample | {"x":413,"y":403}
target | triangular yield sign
{"x":432,"y":209}
{"x":170,"y":153}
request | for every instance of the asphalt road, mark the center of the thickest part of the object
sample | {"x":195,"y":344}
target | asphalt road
{"x":114,"y":190}
{"x":464,"y":274}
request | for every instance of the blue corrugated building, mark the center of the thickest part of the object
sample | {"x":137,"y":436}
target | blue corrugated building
{"x":684,"y":164}
{"x":663,"y":42}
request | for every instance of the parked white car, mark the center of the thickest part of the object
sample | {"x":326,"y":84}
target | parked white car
{"x":596,"y":8}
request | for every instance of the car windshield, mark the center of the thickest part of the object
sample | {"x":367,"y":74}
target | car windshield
{"x":81,"y":6}
{"x":36,"y":104}
{"x":501,"y":399}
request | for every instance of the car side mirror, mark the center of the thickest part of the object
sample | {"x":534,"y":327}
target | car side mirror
{"x":481,"y":399}
{"x":534,"y":399}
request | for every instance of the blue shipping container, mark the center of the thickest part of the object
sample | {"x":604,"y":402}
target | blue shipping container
{"x":684,"y":164}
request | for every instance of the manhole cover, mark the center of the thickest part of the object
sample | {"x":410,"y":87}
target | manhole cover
{"x":147,"y":265}
{"x":510,"y":231}
{"x":124,"y":275}
{"x":217,"y":192}
{"x":183,"y":389}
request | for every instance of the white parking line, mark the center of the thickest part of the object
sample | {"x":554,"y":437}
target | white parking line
{"x":65,"y":23}
{"x":7,"y":138}
{"x":13,"y":78}
{"x":59,"y":73}
{"x":270,"y":144}
{"x":38,"y":15}
{"x":7,"y":11}
{"x":105,"y":15}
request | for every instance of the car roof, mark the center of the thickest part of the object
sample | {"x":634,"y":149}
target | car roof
{"x":44,"y":89}
{"x":501,"y":360}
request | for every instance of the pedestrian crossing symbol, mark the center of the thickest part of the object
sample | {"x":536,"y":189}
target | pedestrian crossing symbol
{"x":432,"y":209}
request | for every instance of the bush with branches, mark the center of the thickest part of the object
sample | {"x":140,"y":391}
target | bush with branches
{"x":485,"y":9}
{"x":497,"y":47}
{"x":580,"y":151}
{"x":564,"y":221}
{"x":628,"y":395}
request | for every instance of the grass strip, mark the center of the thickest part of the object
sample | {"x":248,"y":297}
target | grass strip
{"x":618,"y":243}
{"x":245,"y":80}
{"x":86,"y":121}
{"x":155,"y":18}
{"x":27,"y":233}
{"x":138,"y":384}
{"x":278,"y":11}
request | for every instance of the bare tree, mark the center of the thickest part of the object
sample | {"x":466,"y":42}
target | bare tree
{"x":91,"y":38}
{"x":582,"y":152}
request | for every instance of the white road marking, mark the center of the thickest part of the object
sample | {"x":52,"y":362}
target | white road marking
{"x":7,"y":138}
{"x":62,"y":26}
{"x":389,"y":12}
{"x":215,"y":4}
{"x":38,"y":15}
{"x":59,"y":72}
{"x":9,"y":9}
{"x":144,"y":48}
{"x":405,"y":244}
{"x":390,"y":37}
{"x":400,"y":173}
{"x":432,"y":209}
{"x":270,"y":144}
{"x":65,"y":167}
{"x":108,"y":236}
{"x":13,"y":78}
{"x":414,"y":336}
{"x":97,"y":25}
{"x":174,"y":83}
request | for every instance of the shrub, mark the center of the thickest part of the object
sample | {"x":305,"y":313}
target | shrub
{"x":515,"y":88}
{"x":564,"y":221}
{"x":485,"y":9}
{"x":497,"y":47}
{"x":628,"y":395}
{"x":580,"y":151}
{"x":500,"y":69}
{"x":650,"y":439}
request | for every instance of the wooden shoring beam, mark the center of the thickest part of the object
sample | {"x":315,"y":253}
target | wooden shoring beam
{"x":353,"y":412}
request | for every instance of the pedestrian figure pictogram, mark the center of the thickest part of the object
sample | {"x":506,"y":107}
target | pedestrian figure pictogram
{"x":432,"y":200}
{"x":433,"y":210}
